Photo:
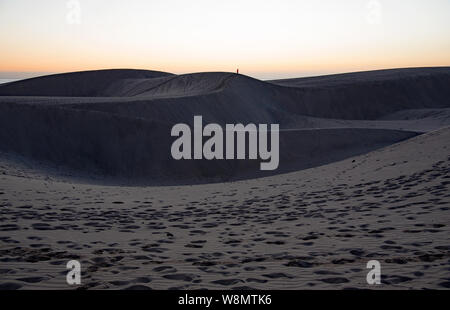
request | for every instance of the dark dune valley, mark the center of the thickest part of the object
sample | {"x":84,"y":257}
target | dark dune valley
{"x":364,"y":174}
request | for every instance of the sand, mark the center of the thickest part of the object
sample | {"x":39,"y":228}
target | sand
{"x":348,"y":190}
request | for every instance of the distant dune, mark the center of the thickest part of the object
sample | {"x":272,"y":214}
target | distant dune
{"x":117,"y":122}
{"x":75,"y":84}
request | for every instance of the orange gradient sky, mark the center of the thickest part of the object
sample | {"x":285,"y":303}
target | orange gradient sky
{"x":265,"y":38}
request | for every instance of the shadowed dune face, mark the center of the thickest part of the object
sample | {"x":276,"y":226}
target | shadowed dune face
{"x":133,"y":148}
{"x":118,"y":122}
{"x":174,"y":86}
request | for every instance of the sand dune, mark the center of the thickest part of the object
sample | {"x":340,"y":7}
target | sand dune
{"x":364,"y":77}
{"x":117,"y":123}
{"x":364,"y":175}
{"x":75,"y":84}
{"x":315,"y":228}
{"x":373,"y":94}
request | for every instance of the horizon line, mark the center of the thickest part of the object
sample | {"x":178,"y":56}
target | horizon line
{"x":23,"y":75}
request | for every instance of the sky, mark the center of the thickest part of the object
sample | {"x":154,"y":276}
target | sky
{"x":266,"y":39}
